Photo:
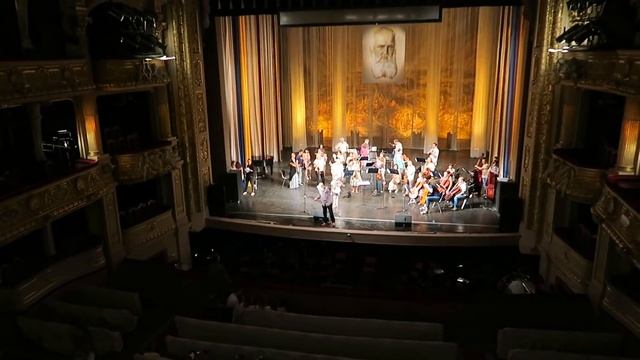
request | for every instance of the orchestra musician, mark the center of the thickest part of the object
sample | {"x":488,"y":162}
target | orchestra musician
{"x":493,"y":178}
{"x":341,"y":146}
{"x":416,"y":190}
{"x":394,"y":184}
{"x":458,"y":192}
{"x":483,"y":170}
{"x":320,"y":163}
{"x":477,"y":174}
{"x":306,"y":159}
{"x":446,"y":181}
{"x":434,"y":196}
{"x":434,"y":153}
{"x":364,"y":149}
{"x":379,"y":178}
{"x":397,"y":155}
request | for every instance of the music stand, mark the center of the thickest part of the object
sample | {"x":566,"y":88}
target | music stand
{"x":421,"y":159}
{"x":364,"y":158}
{"x":396,"y":172}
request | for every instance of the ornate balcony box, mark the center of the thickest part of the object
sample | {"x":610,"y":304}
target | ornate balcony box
{"x":147,"y":164}
{"x":622,"y":307}
{"x":610,"y":71}
{"x":573,"y":175}
{"x":150,"y":237}
{"x":28,"y":211}
{"x":28,"y":292}
{"x":617,"y":211}
{"x":22,"y":82}
{"x":122,"y":74}
{"x":571,"y":265}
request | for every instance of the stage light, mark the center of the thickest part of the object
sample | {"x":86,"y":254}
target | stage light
{"x":568,"y":34}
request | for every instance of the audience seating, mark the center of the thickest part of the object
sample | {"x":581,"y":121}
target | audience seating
{"x":87,"y":316}
{"x":180,"y":348}
{"x":106,"y":298}
{"x":67,"y":339}
{"x":554,"y":355}
{"x":346,"y":346}
{"x":372,"y":328}
{"x":563,"y":341}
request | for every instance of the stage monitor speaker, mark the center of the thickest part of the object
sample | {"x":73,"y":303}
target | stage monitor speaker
{"x":232,"y":186}
{"x":403,"y":221}
{"x":215,"y":200}
{"x":509,"y":206}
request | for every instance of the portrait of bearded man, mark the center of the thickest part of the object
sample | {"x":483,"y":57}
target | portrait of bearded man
{"x":384,"y":54}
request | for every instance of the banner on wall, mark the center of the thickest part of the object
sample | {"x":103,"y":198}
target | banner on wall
{"x":383,"y":51}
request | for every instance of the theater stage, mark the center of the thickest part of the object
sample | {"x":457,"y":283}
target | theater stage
{"x":278,"y":210}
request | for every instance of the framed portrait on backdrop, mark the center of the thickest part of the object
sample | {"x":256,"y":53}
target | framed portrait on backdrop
{"x":383,"y":54}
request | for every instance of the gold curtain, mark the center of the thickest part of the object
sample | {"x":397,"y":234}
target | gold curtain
{"x":253,"y":122}
{"x":224,"y":33}
{"x":438,"y":84}
{"x":485,"y":82}
{"x":296,"y":91}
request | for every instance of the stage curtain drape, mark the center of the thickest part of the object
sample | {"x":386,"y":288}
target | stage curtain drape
{"x":296,"y":91}
{"x":485,"y":82}
{"x":249,"y":53}
{"x":510,"y":89}
{"x":434,"y":99}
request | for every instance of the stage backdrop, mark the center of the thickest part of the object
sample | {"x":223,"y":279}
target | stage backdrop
{"x":459,"y":82}
{"x":414,"y":82}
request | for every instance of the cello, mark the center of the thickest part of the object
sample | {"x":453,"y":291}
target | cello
{"x":454,"y":191}
{"x":493,"y":178}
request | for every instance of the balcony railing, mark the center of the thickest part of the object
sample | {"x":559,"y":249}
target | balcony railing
{"x":28,"y":211}
{"x":617,"y":211}
{"x":52,"y":277}
{"x":574,"y":267}
{"x":147,"y":164}
{"x":613,"y":71}
{"x":22,"y":82}
{"x":148,"y":238}
{"x":622,"y":307}
{"x":123,"y":74}
{"x":575,"y":177}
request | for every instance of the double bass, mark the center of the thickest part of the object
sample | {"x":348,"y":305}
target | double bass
{"x":493,"y":178}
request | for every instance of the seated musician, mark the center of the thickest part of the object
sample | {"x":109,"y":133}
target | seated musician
{"x":434,"y":196}
{"x":461,"y":192}
{"x":410,"y":171}
{"x":395,"y":182}
{"x":379,"y":178}
{"x":416,"y":190}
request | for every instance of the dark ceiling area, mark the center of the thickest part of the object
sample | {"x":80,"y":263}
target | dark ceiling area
{"x":249,"y":7}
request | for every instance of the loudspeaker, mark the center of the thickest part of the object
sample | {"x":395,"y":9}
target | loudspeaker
{"x":215,"y":200}
{"x":508,"y":205}
{"x":403,"y":221}
{"x":232,"y":186}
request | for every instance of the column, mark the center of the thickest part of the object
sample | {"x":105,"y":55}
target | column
{"x":485,"y":82}
{"x":434,"y":47}
{"x":181,"y":250}
{"x":162,"y":126}
{"x":88,"y":127}
{"x":628,"y":146}
{"x":569,"y":117}
{"x":35,"y":123}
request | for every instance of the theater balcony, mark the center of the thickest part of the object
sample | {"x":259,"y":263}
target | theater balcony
{"x":617,"y":212}
{"x":125,"y":74}
{"x":610,"y":71}
{"x":146,"y":164}
{"x":575,"y":174}
{"x":571,"y":252}
{"x":29,"y":81}
{"x":27,"y":210}
{"x":621,"y":300}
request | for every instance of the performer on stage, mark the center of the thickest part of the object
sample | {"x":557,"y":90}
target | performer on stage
{"x":306,"y":159}
{"x":410,"y":173}
{"x":379,"y":177}
{"x":460,"y":189}
{"x":364,"y":148}
{"x":434,"y":196}
{"x":395,"y":182}
{"x":293,"y":172}
{"x":356,"y":178}
{"x":397,"y":155}
{"x":483,"y":170}
{"x":249,"y":173}
{"x":320,"y":163}
{"x":336,"y":189}
{"x":326,"y":199}
{"x":434,"y":153}
{"x":341,"y":146}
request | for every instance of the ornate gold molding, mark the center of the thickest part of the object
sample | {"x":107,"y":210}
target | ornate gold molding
{"x":145,"y":165}
{"x":613,"y":71}
{"x":620,"y":220}
{"x":51,"y":278}
{"x":22,"y":82}
{"x":579,"y":183}
{"x":574,"y":269}
{"x":129,"y":74}
{"x":623,"y":308}
{"x":26,"y":212}
{"x":146,"y":239}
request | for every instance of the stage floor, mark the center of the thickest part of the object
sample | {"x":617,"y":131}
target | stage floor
{"x":284,"y":210}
